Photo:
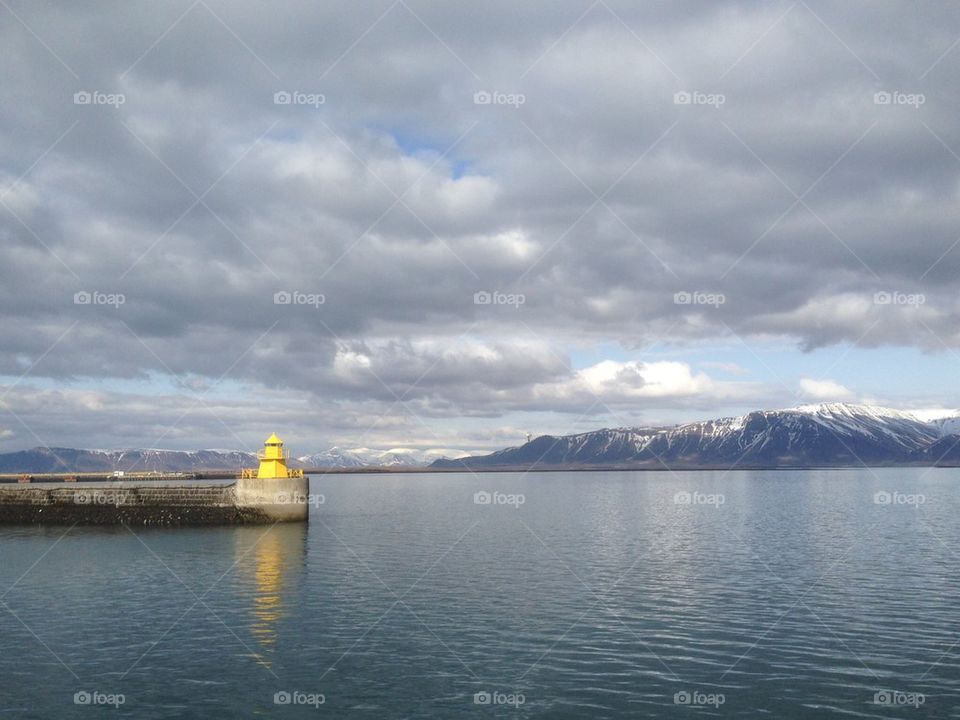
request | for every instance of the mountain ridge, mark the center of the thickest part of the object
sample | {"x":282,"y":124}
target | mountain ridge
{"x":822,"y":435}
{"x":75,"y":460}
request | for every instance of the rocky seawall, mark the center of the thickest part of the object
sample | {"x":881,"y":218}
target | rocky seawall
{"x":246,"y":501}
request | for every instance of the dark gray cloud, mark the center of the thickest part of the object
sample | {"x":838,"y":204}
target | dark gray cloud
{"x":815,"y":165}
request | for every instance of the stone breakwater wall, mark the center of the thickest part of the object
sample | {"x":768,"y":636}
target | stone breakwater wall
{"x":244,"y":502}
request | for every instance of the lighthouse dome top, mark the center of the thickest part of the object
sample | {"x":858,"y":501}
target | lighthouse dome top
{"x":273,"y":440}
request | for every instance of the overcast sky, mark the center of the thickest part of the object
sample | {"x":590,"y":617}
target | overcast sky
{"x":482,"y":219}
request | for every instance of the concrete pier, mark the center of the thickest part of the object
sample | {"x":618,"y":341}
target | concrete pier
{"x":279,"y":499}
{"x":245,"y":501}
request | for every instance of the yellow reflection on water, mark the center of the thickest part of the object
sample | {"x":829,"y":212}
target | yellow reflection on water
{"x":268,"y":601}
{"x":269,"y":559}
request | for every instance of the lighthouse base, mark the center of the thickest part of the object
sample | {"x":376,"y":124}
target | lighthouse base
{"x":275,"y":499}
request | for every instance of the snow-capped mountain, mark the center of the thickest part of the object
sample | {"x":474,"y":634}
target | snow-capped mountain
{"x":340,"y":458}
{"x":335,"y":457}
{"x":810,"y":435}
{"x":52,"y":460}
{"x":44,"y":459}
{"x":947,"y":425}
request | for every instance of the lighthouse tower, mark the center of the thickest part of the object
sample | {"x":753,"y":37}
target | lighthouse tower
{"x":273,"y":460}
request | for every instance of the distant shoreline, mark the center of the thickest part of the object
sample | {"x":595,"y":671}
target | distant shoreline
{"x":610,"y":468}
{"x":68,"y":477}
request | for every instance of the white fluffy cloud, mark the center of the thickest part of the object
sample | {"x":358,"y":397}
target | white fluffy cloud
{"x":644,"y":380}
{"x":827,"y":390}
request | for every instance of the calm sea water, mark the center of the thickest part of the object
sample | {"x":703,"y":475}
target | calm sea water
{"x":568,"y":595}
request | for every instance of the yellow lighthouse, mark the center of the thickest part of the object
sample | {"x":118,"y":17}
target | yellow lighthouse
{"x":274,"y":492}
{"x":273,"y":461}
